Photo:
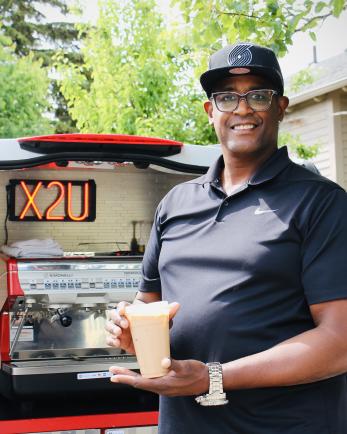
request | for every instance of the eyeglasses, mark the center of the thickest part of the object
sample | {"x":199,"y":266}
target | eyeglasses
{"x":258,"y":100}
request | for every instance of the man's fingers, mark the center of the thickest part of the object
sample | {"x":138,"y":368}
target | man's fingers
{"x":172,"y":364}
{"x":121,"y":312}
{"x":117,"y":316}
{"x":124,"y":379}
{"x":122,"y":371}
{"x":121,"y":307}
{"x":113,"y":342}
{"x":124,"y":376}
{"x":166,"y":363}
{"x":173,"y":309}
{"x":112,"y":328}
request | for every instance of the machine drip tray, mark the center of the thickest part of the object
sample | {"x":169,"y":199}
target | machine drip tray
{"x":59,"y":366}
{"x":30,"y":378}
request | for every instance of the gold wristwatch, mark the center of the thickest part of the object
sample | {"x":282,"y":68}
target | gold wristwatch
{"x":215,"y":395}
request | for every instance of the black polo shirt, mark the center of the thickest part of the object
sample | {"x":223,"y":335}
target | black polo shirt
{"x":245,"y":269}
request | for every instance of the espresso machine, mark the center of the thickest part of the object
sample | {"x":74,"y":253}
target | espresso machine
{"x":52,"y":320}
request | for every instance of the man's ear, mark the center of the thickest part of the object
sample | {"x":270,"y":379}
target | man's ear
{"x":283,"y":102}
{"x":209,"y":110}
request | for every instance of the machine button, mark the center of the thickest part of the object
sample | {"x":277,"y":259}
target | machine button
{"x":48,"y":285}
{"x":32,"y":285}
{"x":55,"y":284}
{"x":62,"y":285}
{"x":113,"y":283}
{"x":70,"y":284}
{"x":91,"y":284}
{"x":106,"y":284}
{"x":78,"y":285}
{"x":136,"y":283}
{"x":128,"y":283}
{"x":121,"y":283}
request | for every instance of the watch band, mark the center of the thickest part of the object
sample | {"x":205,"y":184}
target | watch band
{"x":215,"y":395}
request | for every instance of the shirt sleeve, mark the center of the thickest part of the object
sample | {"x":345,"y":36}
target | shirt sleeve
{"x":150,"y":281}
{"x":324,"y":266}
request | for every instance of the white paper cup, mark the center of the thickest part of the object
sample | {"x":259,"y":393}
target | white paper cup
{"x":149,"y":327}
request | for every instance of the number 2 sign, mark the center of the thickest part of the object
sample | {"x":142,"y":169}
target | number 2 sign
{"x":36,"y":192}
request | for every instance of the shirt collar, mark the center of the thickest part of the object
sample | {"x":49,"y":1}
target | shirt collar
{"x":278,"y":161}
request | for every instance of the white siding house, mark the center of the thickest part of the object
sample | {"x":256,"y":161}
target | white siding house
{"x":318,"y":114}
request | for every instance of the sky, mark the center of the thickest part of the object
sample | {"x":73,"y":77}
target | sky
{"x":331,"y":39}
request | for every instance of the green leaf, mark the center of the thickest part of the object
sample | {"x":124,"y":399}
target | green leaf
{"x":319,"y":7}
{"x":308,"y":4}
{"x":310,"y":25}
{"x":313,"y":36}
{"x":338,"y":6}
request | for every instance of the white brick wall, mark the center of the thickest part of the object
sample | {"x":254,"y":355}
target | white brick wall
{"x":122,"y":195}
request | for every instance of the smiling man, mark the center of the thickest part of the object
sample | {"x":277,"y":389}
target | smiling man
{"x":254,"y":253}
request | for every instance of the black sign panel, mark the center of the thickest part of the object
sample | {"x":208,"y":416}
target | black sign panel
{"x":52,"y":200}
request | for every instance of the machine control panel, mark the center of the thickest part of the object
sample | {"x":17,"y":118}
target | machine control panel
{"x":32,"y":286}
{"x":84,"y":276}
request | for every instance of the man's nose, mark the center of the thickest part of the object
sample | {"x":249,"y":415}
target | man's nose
{"x":243,"y":107}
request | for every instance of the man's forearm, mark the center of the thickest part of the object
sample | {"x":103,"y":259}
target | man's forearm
{"x":308,"y":357}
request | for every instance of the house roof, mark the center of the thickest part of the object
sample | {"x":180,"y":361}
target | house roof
{"x":329,"y":75}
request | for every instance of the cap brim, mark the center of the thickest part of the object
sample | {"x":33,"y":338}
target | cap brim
{"x":209,"y":79}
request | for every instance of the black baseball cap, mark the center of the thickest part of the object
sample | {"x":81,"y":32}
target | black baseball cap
{"x":242,"y":58}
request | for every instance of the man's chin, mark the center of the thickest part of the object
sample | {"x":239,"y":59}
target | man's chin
{"x":242,"y":147}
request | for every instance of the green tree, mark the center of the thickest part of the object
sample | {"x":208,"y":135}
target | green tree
{"x":141,"y":71}
{"x":26,"y":25}
{"x":267,"y":22}
{"x":136,"y":79}
{"x":23,"y":94}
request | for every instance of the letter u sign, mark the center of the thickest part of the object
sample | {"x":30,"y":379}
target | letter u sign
{"x":43,"y":200}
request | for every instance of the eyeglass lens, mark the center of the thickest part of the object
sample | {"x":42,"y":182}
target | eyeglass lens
{"x":258,"y":100}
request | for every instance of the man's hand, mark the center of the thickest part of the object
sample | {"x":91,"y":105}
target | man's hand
{"x":185,"y":378}
{"x":118,"y":327}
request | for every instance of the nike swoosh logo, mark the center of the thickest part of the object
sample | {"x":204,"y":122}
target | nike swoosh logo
{"x":263,"y":211}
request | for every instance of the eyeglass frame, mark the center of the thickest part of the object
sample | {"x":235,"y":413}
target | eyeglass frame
{"x":244,"y":97}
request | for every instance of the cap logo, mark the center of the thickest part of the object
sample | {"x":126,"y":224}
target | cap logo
{"x":240,"y":55}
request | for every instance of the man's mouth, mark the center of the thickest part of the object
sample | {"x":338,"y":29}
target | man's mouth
{"x":243,"y":127}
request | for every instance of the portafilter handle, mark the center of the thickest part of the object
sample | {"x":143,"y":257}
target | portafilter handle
{"x":65,"y":320}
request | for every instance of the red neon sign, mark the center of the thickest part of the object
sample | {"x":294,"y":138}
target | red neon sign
{"x":31,"y":197}
{"x":69,"y":203}
{"x":33,"y":192}
{"x":59,"y":198}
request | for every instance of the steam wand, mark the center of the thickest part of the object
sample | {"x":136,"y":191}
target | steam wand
{"x":18,"y":331}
